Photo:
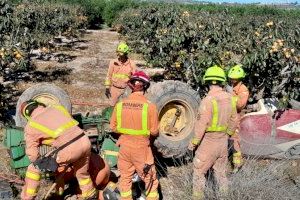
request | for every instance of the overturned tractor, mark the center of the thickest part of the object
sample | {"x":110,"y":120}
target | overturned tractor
{"x":265,"y":131}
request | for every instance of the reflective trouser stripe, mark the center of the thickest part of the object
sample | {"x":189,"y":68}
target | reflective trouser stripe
{"x":237,"y":161}
{"x":31,"y":191}
{"x":195,"y":141}
{"x":110,"y":153}
{"x":237,"y":158}
{"x":153,"y":194}
{"x":89,"y":193}
{"x":107,"y":82}
{"x":237,"y":154}
{"x":84,"y":181}
{"x":33,"y":176}
{"x":126,"y":194}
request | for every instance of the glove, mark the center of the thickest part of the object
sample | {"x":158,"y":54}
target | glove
{"x":107,"y":93}
{"x":46,"y":164}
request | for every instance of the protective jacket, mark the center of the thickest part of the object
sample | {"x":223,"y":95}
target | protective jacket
{"x":242,"y":92}
{"x":54,"y":126}
{"x":216,"y":119}
{"x":119,"y":73}
{"x":117,"y":77}
{"x":135,"y":119}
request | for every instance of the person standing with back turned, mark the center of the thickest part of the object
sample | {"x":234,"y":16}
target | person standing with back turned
{"x":215,"y":121}
{"x":136,"y":120}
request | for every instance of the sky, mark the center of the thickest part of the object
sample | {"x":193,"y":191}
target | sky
{"x":254,"y":1}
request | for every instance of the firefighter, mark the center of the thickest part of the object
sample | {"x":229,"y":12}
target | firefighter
{"x":216,"y":120}
{"x":119,"y":72}
{"x":54,"y":126}
{"x":136,"y":120}
{"x":241,"y":92}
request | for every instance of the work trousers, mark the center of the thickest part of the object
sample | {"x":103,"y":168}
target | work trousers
{"x":77,"y":154}
{"x":212,"y":153}
{"x":116,"y":93}
{"x":131,"y":160}
{"x":237,"y":158}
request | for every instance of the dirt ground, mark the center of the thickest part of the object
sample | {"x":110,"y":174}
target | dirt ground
{"x":83,"y":80}
{"x":82,"y":77}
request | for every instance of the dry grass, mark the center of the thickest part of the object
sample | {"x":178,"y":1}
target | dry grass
{"x":4,"y":158}
{"x":258,"y":179}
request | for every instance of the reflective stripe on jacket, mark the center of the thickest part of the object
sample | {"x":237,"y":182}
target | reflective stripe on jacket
{"x":215,"y":126}
{"x":54,"y":133}
{"x":217,"y":119}
{"x":130,"y":130}
{"x":119,"y":73}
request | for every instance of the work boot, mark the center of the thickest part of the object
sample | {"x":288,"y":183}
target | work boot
{"x":94,"y":197}
{"x":110,"y":192}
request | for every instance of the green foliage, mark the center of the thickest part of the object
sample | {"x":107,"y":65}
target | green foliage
{"x":99,"y":11}
{"x":33,"y":24}
{"x":186,"y":42}
{"x":40,"y":22}
{"x":26,"y":26}
{"x":93,"y":9}
{"x":113,"y":9}
{"x":244,"y":10}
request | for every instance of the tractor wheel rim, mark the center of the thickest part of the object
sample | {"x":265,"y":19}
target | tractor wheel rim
{"x":47,"y":99}
{"x":184,"y":123}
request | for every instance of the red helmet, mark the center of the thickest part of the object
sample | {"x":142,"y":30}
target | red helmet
{"x":142,"y":77}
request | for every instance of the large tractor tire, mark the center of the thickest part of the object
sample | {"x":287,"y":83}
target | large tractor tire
{"x":177,"y":106}
{"x":46,"y":93}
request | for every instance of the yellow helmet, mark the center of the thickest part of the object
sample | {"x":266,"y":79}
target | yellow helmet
{"x":214,"y":73}
{"x":123,"y":48}
{"x":236,"y":72}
